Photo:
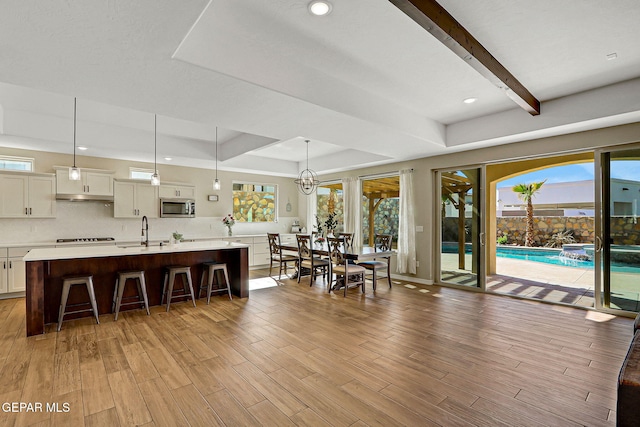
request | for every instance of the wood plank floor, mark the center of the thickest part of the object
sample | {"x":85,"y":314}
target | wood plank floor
{"x":295,"y":355}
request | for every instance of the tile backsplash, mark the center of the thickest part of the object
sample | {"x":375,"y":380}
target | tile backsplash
{"x":95,"y":219}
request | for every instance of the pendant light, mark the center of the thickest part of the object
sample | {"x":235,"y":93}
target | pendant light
{"x":308,"y":179}
{"x":155,"y":178}
{"x":74,"y":172}
{"x":216,"y":183}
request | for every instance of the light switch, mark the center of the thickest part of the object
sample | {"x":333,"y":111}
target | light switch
{"x":419,"y":229}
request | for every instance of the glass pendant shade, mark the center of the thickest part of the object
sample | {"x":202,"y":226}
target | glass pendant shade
{"x":155,"y":179}
{"x":216,"y":184}
{"x":74,"y":172}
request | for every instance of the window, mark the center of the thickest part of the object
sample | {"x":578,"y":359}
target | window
{"x":142,"y":174}
{"x":254,"y":202}
{"x":380,"y":207}
{"x":330,"y":200}
{"x":11,"y":163}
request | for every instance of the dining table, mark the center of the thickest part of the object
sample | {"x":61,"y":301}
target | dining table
{"x":353,"y":254}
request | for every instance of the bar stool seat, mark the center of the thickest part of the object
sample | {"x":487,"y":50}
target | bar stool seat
{"x":118,"y":292}
{"x":210,"y":268}
{"x":170,"y":274}
{"x":67,"y":283}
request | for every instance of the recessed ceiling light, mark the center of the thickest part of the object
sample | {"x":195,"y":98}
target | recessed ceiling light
{"x":612,"y":56}
{"x":319,"y":8}
{"x":82,"y":148}
{"x":469,"y":100}
{"x":168,"y":158}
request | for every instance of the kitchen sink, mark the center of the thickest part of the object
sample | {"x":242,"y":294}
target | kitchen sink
{"x":138,"y":245}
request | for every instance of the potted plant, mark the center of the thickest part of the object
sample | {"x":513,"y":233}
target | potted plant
{"x":229,"y":221}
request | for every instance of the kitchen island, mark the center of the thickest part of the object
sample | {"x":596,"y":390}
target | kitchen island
{"x":45,"y":269}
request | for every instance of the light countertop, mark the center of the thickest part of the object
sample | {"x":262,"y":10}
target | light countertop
{"x":46,"y":254}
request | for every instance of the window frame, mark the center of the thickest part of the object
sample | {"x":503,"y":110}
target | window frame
{"x":276,"y":197}
{"x":30,"y":160}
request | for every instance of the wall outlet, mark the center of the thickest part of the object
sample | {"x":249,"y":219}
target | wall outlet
{"x":419,"y":229}
{"x":417,"y":264}
{"x":34,"y":228}
{"x":124,"y":228}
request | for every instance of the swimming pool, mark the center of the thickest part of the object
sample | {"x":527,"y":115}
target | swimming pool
{"x":553,"y":257}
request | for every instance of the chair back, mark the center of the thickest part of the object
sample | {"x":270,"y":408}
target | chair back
{"x":348,"y":239}
{"x":305,"y":249}
{"x":383,"y":242}
{"x":336,"y":248}
{"x":274,"y":243}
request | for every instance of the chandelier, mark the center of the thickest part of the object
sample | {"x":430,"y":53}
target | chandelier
{"x":307,"y":180}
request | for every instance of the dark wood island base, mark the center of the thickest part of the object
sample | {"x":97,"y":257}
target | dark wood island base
{"x":44,"y":278}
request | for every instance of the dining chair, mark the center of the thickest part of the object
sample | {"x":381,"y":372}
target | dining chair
{"x":382,"y":244}
{"x":348,"y":239}
{"x":351,"y":274}
{"x":277,"y":255}
{"x":307,"y":260}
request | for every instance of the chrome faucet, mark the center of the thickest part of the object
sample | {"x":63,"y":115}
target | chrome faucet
{"x":145,"y":231}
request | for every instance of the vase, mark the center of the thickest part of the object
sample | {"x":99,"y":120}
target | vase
{"x":230,"y":232}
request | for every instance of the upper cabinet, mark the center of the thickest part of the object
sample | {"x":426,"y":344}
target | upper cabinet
{"x":27,"y":195}
{"x":93,"y":182}
{"x":177,"y":191}
{"x":135,"y":200}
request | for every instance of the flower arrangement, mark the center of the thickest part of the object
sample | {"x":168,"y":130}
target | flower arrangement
{"x":229,"y":221}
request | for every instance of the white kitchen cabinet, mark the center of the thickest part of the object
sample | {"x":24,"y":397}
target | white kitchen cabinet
{"x":93,"y":182}
{"x":245,"y":240}
{"x":27,"y":196}
{"x":135,"y":200}
{"x":261,"y":252}
{"x":13,"y":278}
{"x":171,"y":191}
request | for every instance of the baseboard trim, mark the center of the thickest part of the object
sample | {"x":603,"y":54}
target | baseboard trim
{"x":412,"y":279}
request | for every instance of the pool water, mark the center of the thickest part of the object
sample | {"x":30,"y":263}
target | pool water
{"x":553,"y":257}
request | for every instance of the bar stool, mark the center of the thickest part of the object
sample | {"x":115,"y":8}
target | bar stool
{"x":67,"y":283}
{"x":211,"y":268}
{"x":121,"y":282}
{"x":170,"y":274}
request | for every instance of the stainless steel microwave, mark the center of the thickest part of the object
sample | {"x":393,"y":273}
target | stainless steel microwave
{"x":177,"y":208}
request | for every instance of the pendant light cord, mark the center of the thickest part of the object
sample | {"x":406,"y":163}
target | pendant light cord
{"x":155,"y":144}
{"x":74,"y":131}
{"x":216,"y":152}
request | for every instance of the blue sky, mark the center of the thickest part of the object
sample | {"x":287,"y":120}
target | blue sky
{"x":628,"y":169}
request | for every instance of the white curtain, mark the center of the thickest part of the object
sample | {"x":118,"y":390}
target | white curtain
{"x":312,"y":209}
{"x":352,"y":195}
{"x":406,"y":261}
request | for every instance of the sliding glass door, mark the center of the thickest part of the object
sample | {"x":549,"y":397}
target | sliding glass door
{"x":461,"y":227}
{"x":618,"y":230}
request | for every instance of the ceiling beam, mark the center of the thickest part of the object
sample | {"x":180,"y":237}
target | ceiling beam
{"x":444,"y":27}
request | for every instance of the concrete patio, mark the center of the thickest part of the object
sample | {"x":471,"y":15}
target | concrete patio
{"x":547,"y":282}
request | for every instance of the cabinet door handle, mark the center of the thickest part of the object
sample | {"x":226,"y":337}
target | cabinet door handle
{"x":29,"y":211}
{"x":88,"y":189}
{"x":10,"y":264}
{"x":26,"y":211}
{"x":5,"y":265}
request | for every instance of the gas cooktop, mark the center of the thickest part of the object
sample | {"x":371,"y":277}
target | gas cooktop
{"x":86,"y":239}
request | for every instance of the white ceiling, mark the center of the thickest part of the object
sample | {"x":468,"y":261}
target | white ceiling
{"x":365,"y":84}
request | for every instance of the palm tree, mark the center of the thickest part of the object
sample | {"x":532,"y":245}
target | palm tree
{"x":525,"y":193}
